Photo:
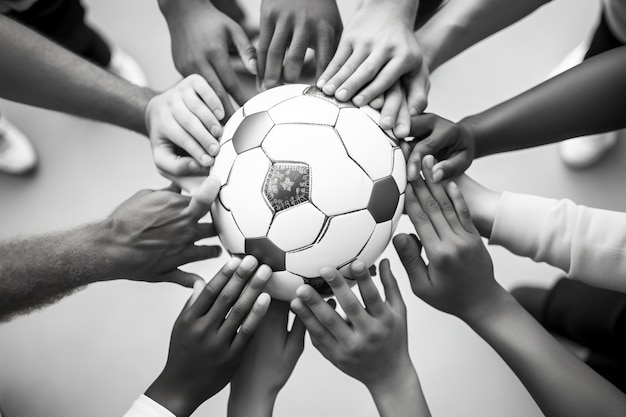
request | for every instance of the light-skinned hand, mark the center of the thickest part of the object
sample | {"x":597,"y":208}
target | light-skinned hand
{"x":459,"y":276}
{"x":154,"y":232}
{"x":211,"y":335}
{"x":201,"y":38}
{"x":267,"y":365}
{"x":376,"y":49}
{"x":186,"y":116}
{"x":288,"y":28}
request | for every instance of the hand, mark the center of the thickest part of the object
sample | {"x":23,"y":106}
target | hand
{"x":187,"y":117}
{"x":373,"y":348}
{"x":376,"y":49}
{"x":201,"y":37}
{"x":482,"y":202}
{"x":452,"y":144}
{"x":394,"y":113}
{"x":288,"y":28}
{"x":211,"y":335}
{"x":459,"y":276}
{"x":154,"y":232}
{"x":267,"y":365}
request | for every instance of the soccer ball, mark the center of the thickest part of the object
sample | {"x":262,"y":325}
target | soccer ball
{"x":307,"y":182}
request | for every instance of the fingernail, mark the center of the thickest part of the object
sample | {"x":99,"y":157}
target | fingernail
{"x":248,"y":263}
{"x":400,"y":127}
{"x":358,"y":267}
{"x":320,"y":83}
{"x":428,"y":162}
{"x":302,"y":292}
{"x":329,"y":89}
{"x":214,"y":149}
{"x":342,"y":94}
{"x":264,"y":272}
{"x":219,"y":114}
{"x":263,"y":299}
{"x":411,"y":173}
{"x":215,"y":131}
{"x":328,"y":274}
{"x":387,"y":122}
{"x":358,"y":101}
{"x":193,"y":166}
{"x":252,"y":66}
{"x":206,"y":160}
{"x":413,"y":111}
{"x":233,"y":263}
{"x":438,"y":175}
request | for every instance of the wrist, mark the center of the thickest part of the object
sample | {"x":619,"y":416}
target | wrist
{"x":400,"y":396}
{"x":492,"y":306}
{"x":173,"y":395}
{"x":250,"y":404}
{"x":174,"y":8}
{"x":404,"y":9}
{"x":471,"y":127}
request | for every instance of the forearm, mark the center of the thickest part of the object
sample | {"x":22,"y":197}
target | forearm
{"x":402,"y":398}
{"x":406,"y":9}
{"x":559,"y":382}
{"x":41,"y":270}
{"x":251,"y":404}
{"x":38,"y":72}
{"x":461,"y":24}
{"x":587,"y":99}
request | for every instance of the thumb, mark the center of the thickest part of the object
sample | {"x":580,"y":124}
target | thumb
{"x":246,"y":51}
{"x":203,"y":197}
{"x":409,"y":250}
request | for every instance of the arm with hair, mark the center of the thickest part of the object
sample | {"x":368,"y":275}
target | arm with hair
{"x":134,"y":242}
{"x":38,"y":72}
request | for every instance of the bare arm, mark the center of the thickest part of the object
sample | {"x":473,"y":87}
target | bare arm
{"x":561,"y":108}
{"x":57,"y":79}
{"x":461,"y":24}
{"x":134,"y":242}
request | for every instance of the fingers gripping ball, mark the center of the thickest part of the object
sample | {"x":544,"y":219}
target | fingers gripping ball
{"x":306,"y":181}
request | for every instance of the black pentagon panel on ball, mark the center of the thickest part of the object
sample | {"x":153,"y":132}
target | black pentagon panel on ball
{"x":252,"y":131}
{"x":287,"y":184}
{"x":266,"y":252}
{"x":384,"y":199}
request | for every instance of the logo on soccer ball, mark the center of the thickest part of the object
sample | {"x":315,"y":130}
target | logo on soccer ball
{"x":287,"y":184}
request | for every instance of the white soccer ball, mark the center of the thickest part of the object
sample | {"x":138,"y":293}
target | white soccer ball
{"x":307,"y":182}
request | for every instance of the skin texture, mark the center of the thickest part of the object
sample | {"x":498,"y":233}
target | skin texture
{"x":376,"y":49}
{"x":51,"y":77}
{"x":267,"y":365}
{"x":134,"y":242}
{"x":372,"y":345}
{"x":208,"y":343}
{"x":587,"y":99}
{"x":459,"y":280}
{"x":187,"y":116}
{"x":288,"y":28}
{"x":201,"y":38}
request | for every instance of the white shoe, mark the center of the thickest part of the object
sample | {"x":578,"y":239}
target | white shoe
{"x":583,"y":152}
{"x":125,"y":66}
{"x":17,"y":154}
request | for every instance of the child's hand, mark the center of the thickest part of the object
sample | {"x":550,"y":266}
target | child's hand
{"x":288,"y":28}
{"x":377,"y":47}
{"x":210,"y":336}
{"x":459,"y":276}
{"x":373,"y":347}
{"x":267,"y":365}
{"x":453,"y":144}
{"x":187,"y":117}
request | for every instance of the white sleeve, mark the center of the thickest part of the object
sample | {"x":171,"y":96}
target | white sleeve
{"x":589,"y":244}
{"x":147,"y":407}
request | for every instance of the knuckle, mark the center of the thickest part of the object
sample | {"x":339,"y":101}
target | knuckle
{"x":446,"y":205}
{"x":227,"y":296}
{"x":431,"y":205}
{"x":421,"y":216}
{"x":329,"y":321}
